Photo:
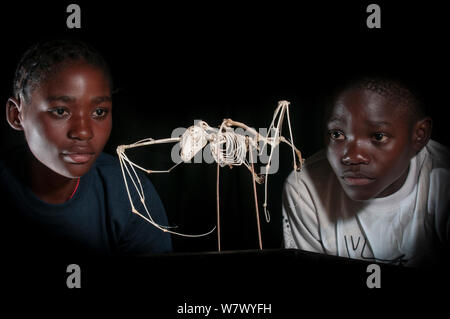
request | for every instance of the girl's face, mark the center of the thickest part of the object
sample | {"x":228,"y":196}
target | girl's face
{"x":67,"y":121}
{"x":369,"y":144}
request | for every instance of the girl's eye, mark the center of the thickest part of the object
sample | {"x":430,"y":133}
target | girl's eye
{"x":380,"y":137}
{"x":336,"y":135}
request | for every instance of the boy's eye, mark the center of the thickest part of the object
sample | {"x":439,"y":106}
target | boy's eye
{"x":59,"y":111}
{"x":380,"y":137}
{"x":336,"y":135}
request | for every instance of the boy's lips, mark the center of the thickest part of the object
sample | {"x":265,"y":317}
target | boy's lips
{"x":356,"y":179}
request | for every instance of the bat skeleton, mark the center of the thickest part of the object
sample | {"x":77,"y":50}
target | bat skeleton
{"x":228,"y":148}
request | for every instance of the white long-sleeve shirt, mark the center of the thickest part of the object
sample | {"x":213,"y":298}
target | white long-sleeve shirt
{"x":404,"y":227}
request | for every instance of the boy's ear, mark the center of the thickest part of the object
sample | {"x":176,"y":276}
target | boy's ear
{"x":422,"y":133}
{"x":13,"y":109}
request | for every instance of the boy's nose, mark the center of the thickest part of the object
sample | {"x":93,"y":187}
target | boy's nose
{"x":354,"y":154}
{"x":80,"y":129}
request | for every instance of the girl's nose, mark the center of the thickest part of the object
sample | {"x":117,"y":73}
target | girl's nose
{"x":80,"y":128}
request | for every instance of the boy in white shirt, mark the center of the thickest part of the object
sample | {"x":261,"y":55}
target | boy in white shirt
{"x":380,"y":190}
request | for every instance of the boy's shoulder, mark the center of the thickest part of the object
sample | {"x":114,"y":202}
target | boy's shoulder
{"x":315,"y":168}
{"x":439,"y":155}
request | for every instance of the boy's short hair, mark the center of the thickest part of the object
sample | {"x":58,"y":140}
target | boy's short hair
{"x":395,"y":90}
{"x":43,"y":58}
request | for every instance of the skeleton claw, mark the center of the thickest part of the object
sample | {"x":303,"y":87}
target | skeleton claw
{"x":259,"y":179}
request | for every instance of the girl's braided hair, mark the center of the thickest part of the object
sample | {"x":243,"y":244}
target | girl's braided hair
{"x":43,"y":59}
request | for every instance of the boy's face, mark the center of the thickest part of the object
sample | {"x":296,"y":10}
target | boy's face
{"x":369,"y":144}
{"x":67,"y":121}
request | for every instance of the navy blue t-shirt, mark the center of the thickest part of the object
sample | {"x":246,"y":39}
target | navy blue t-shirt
{"x":96,"y":220}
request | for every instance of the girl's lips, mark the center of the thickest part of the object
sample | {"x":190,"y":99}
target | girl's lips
{"x":78,"y":158}
{"x":357,"y":181}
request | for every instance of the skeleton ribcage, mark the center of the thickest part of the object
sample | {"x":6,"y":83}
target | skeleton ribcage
{"x":228,"y":148}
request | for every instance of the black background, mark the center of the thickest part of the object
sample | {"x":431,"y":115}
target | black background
{"x":174,"y":63}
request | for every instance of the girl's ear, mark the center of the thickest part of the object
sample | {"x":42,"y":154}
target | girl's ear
{"x":421,"y":133}
{"x":13,"y":110}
